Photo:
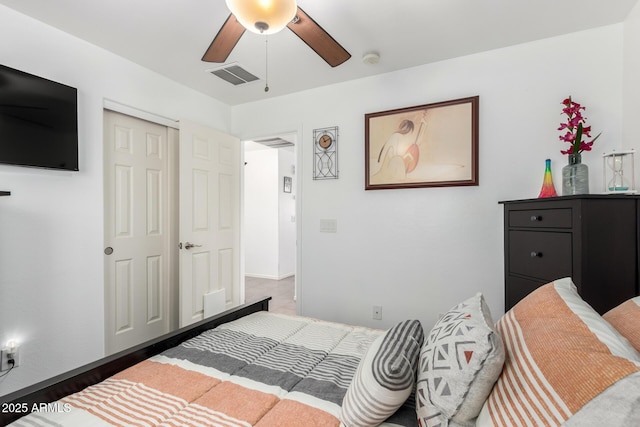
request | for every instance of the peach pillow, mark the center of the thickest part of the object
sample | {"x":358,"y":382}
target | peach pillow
{"x":565,"y":365}
{"x":626,"y":319}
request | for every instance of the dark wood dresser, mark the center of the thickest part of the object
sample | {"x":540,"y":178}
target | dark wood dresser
{"x":591,"y":238}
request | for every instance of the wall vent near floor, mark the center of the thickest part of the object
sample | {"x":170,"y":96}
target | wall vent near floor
{"x":274,"y":142}
{"x":234,"y":74}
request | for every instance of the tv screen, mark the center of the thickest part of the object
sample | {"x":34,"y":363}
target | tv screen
{"x":38,"y":121}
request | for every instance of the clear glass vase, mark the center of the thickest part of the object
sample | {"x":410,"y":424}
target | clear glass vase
{"x":575,"y":176}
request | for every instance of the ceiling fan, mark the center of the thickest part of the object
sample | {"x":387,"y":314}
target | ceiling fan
{"x":248,"y":15}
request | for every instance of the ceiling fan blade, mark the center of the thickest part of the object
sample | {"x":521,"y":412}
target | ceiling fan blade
{"x":318,"y":39}
{"x":225,"y":41}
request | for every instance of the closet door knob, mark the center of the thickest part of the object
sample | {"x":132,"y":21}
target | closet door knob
{"x":190,"y":245}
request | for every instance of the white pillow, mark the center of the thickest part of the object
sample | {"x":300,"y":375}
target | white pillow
{"x":385,"y":376}
{"x":459,"y":363}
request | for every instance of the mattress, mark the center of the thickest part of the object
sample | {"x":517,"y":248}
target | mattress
{"x":261,"y":370}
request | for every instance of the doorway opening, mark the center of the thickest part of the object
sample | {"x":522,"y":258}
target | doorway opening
{"x":270,"y":227}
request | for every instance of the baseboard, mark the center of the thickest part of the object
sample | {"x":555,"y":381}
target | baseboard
{"x":264,"y":276}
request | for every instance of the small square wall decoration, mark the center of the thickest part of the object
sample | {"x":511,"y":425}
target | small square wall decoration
{"x":287,"y":184}
{"x":325,"y":153}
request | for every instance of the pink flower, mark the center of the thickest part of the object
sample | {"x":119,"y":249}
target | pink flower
{"x":575,"y":130}
{"x":568,"y":137}
{"x":575,"y":121}
{"x":586,"y":146}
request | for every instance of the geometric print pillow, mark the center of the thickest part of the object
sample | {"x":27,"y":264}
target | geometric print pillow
{"x":385,"y":376}
{"x":459,"y":364}
{"x":626,"y":319}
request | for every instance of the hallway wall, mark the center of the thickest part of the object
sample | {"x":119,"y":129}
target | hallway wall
{"x":269,"y":217}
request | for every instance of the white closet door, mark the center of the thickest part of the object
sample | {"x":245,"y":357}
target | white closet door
{"x":209,"y":218}
{"x":136,"y":231}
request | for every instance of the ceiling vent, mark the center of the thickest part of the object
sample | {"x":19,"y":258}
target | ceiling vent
{"x":234,"y":74}
{"x":275,"y":142}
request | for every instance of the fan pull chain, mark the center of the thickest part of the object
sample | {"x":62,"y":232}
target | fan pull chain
{"x":266,"y":64}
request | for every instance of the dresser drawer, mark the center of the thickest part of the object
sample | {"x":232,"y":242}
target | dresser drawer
{"x":518,"y":288}
{"x":539,"y":254}
{"x":541,"y":218}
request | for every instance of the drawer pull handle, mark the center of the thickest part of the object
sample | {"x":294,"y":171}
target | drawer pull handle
{"x":535,"y":218}
{"x":536,"y":254}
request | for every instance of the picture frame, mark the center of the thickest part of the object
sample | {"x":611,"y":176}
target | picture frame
{"x":287,"y":184}
{"x":431,"y":145}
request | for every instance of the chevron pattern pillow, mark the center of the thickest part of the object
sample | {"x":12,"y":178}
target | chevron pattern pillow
{"x":459,"y":363}
{"x":385,"y":376}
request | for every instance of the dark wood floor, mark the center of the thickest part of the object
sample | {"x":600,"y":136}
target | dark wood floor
{"x":282,"y":292}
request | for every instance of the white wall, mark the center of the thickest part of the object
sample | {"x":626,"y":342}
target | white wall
{"x":286,"y":215}
{"x":417,"y":252}
{"x":269,"y":230}
{"x":261,"y":213}
{"x":51,"y":227}
{"x":631,"y":107}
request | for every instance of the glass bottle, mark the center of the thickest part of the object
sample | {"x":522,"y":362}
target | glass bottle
{"x":575,"y":176}
{"x":548,"y":189}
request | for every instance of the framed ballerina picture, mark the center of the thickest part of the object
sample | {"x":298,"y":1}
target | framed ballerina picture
{"x":432,"y":145}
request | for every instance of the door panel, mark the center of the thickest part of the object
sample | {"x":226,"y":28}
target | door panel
{"x":226,"y":208}
{"x":201,"y":282}
{"x":226,"y":267}
{"x":122,"y":201}
{"x":154,"y":288}
{"x":201,"y":201}
{"x":154,"y":202}
{"x":124,"y":305}
{"x":136,"y":228}
{"x":209,"y":218}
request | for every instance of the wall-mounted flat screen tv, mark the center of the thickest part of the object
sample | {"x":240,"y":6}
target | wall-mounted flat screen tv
{"x":38,"y":121}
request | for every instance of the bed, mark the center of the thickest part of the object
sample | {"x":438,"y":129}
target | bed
{"x":551,"y":360}
{"x":261,"y":369}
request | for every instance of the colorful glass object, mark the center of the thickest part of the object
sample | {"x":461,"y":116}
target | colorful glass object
{"x":548,"y":190}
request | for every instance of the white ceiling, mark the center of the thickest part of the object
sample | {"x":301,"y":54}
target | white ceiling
{"x":170,"y":36}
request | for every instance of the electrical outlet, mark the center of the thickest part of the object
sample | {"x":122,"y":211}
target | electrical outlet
{"x":4,"y":359}
{"x":377,"y":312}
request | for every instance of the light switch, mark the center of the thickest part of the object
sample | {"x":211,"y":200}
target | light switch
{"x":328,"y":226}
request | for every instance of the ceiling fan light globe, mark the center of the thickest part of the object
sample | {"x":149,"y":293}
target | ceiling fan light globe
{"x":255,"y":15}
